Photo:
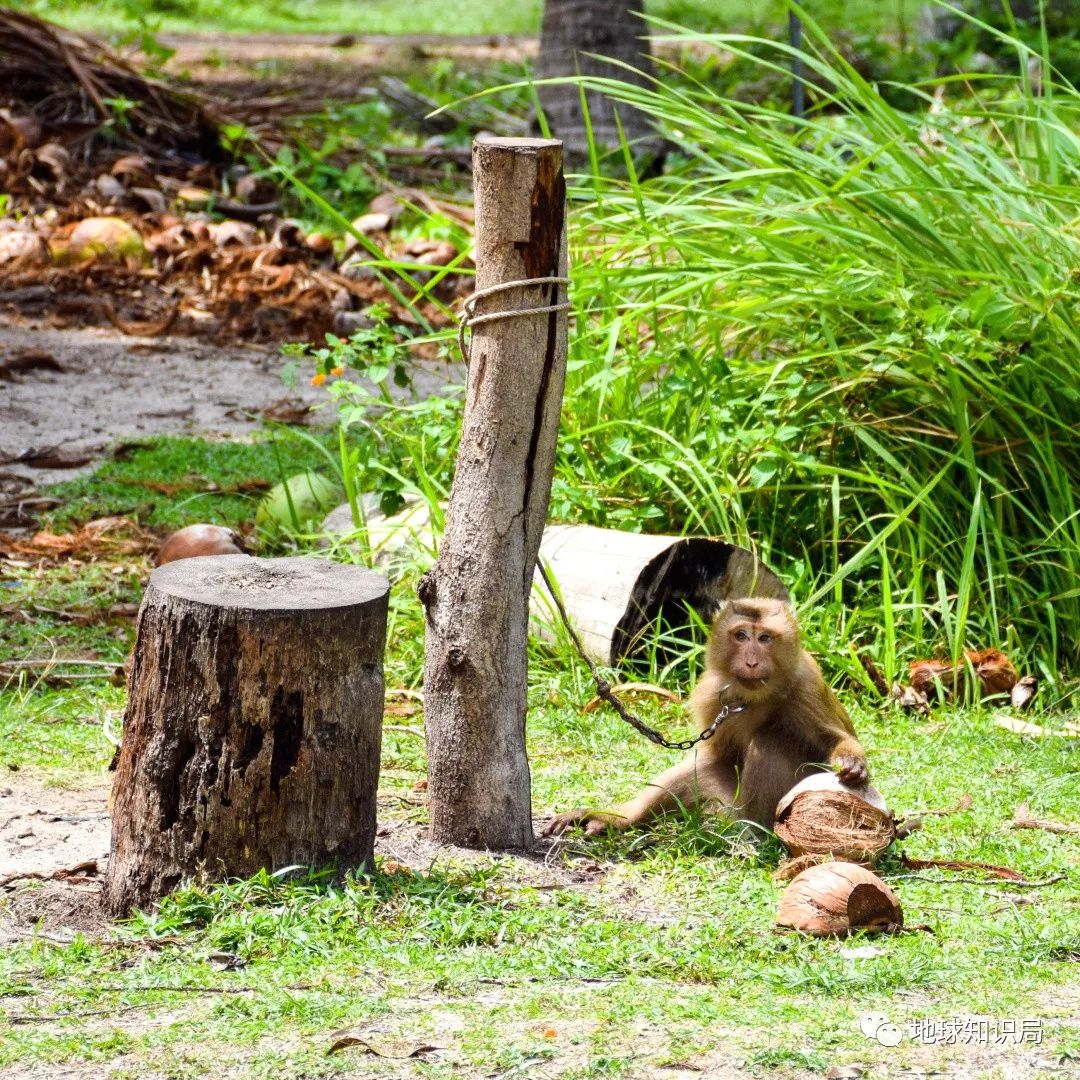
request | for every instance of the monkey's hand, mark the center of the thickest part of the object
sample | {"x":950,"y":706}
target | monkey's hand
{"x":595,"y":822}
{"x":851,"y":769}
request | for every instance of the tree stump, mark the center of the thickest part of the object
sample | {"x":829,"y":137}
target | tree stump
{"x":253,"y":724}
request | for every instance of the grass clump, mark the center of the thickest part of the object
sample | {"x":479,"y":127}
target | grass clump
{"x":167,"y":482}
{"x":848,"y":341}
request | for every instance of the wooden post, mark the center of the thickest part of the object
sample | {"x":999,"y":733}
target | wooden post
{"x":477,"y":595}
{"x":253,"y":725}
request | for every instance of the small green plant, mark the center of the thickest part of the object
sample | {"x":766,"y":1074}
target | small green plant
{"x":120,"y":109}
{"x":387,"y":443}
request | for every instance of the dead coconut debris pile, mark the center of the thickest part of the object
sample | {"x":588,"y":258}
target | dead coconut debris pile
{"x":123,"y":206}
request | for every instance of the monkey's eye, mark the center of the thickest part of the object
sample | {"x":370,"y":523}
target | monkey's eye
{"x":764,"y":638}
{"x":741,"y":635}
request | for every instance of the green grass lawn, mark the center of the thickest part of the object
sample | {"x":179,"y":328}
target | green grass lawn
{"x":664,"y":954}
{"x":649,"y":954}
{"x":450,"y":17}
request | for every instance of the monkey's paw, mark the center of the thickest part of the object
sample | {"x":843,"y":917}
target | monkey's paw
{"x":595,"y":822}
{"x":852,"y":771}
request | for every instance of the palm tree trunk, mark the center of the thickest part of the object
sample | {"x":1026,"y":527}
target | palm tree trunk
{"x":614,"y":31}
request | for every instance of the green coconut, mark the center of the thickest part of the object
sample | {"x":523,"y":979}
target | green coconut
{"x":311,"y":496}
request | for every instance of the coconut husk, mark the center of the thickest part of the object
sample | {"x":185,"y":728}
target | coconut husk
{"x":194,"y":541}
{"x":994,"y":674}
{"x":839,"y":898}
{"x":834,"y":823}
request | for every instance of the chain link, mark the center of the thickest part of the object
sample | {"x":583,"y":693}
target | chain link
{"x":604,"y":688}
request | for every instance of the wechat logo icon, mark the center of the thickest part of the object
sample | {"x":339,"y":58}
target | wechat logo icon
{"x":876,"y":1026}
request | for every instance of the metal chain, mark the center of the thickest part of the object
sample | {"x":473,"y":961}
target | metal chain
{"x":604,"y":689}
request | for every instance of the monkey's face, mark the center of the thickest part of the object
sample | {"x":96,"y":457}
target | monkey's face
{"x":757,"y":660}
{"x":755,"y":647}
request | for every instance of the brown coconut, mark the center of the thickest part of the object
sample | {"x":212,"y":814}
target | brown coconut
{"x":98,"y":237}
{"x":994,"y":674}
{"x":821,"y":816}
{"x":838,"y":898}
{"x":195,"y":540}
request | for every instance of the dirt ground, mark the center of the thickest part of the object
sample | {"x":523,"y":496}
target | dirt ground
{"x":111,"y":387}
{"x":54,"y":849}
{"x":46,"y":830}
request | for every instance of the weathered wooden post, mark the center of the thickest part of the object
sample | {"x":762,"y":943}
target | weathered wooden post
{"x":476,"y":596}
{"x":253,"y":724}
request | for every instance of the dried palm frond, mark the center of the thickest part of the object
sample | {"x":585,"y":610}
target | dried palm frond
{"x":74,"y":85}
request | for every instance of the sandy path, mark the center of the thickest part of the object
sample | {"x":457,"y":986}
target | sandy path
{"x":113,"y":387}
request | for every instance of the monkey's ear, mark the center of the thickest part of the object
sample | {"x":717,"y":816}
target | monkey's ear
{"x":721,"y":612}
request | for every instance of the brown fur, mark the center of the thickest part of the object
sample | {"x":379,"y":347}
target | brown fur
{"x":792,"y":725}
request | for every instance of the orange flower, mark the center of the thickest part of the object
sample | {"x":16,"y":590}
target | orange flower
{"x":339,"y":370}
{"x":550,"y":1033}
{"x":318,"y":379}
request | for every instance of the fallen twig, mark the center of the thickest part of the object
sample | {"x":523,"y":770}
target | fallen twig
{"x":1023,"y":819}
{"x":873,"y":673}
{"x":961,"y":864}
{"x":963,"y":803}
{"x":58,"y":661}
{"x":77,"y":874}
{"x":634,"y":688}
{"x":1035,"y":731}
{"x":1019,"y":882}
{"x":184,"y":988}
{"x":18,"y":1018}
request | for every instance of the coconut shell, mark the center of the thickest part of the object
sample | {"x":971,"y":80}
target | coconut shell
{"x":195,"y":540}
{"x":838,"y":898}
{"x":1022,"y":693}
{"x":24,"y":249}
{"x":820,"y":816}
{"x":100,"y":237}
{"x":829,"y":781}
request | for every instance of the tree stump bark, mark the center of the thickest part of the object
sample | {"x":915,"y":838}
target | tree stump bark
{"x":476,"y":597}
{"x":253,"y":724}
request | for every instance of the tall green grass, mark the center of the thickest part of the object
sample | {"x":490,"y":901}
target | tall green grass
{"x":858,"y":329}
{"x":850,"y":342}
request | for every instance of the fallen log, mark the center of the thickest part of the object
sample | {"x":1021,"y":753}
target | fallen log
{"x":618,"y":586}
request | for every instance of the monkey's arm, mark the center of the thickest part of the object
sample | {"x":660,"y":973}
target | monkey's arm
{"x":827,"y":725}
{"x":695,"y":779}
{"x":845,"y":752}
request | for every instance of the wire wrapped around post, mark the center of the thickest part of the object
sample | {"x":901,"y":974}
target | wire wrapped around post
{"x":468,"y":318}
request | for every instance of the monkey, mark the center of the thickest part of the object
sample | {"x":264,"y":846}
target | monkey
{"x":789,"y":724}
